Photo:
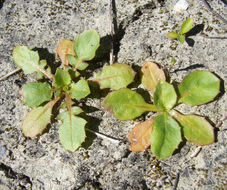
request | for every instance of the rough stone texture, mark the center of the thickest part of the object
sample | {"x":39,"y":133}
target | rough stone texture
{"x":42,"y":163}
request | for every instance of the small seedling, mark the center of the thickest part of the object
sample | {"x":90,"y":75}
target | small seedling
{"x":185,"y":27}
{"x":163,"y":131}
{"x":64,"y":85}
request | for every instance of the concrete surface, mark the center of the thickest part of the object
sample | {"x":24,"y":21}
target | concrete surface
{"x":42,"y":163}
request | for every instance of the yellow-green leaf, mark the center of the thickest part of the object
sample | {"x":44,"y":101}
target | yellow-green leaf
{"x":199,"y":87}
{"x":164,"y":96}
{"x":80,"y":89}
{"x":35,"y":93}
{"x":75,"y":62}
{"x":196,"y":129}
{"x":172,"y":35}
{"x":181,"y":38}
{"x":126,"y":104}
{"x":86,"y":45}
{"x":62,"y":78}
{"x":115,"y":76}
{"x":26,"y":59}
{"x":165,"y":136}
{"x":72,"y":131}
{"x":186,"y":26}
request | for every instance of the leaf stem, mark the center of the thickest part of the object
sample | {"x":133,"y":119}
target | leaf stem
{"x":103,"y":136}
{"x":49,"y":105}
{"x":151,"y":107}
{"x":9,"y":74}
{"x":69,"y":106}
{"x":78,"y":62}
{"x":49,"y":75}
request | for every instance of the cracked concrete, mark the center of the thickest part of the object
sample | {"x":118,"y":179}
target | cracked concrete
{"x":42,"y":163}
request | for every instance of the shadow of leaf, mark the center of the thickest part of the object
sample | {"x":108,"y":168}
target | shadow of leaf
{"x":194,"y":31}
{"x":1,"y":3}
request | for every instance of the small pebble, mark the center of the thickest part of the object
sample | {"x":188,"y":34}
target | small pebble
{"x":180,"y":6}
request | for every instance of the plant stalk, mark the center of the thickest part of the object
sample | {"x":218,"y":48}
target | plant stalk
{"x":9,"y":74}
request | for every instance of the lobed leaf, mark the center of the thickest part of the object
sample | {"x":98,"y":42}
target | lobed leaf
{"x":140,"y":136}
{"x":65,"y":47}
{"x":199,"y":87}
{"x":62,"y":78}
{"x":80,"y":89}
{"x":165,"y":137}
{"x":186,"y":26}
{"x":75,"y":62}
{"x":152,"y":74}
{"x":26,"y":59}
{"x":164,"y":96}
{"x":172,"y":35}
{"x":35,"y":93}
{"x":72,"y":131}
{"x":126,"y":104}
{"x":86,"y":45}
{"x":196,"y":129}
{"x":115,"y":76}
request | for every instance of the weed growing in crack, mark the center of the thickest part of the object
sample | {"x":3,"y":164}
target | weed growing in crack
{"x":163,"y":131}
{"x":65,"y":83}
{"x":185,"y":27}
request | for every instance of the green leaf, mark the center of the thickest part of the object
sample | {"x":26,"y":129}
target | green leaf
{"x":86,"y":45}
{"x":181,"y":38}
{"x":152,"y":74}
{"x":165,"y":136}
{"x":35,"y":93}
{"x":64,"y":48}
{"x":172,"y":35}
{"x":75,"y":62}
{"x":126,"y":104}
{"x":72,"y":132}
{"x":76,"y":110}
{"x":186,"y":26}
{"x":62,"y":78}
{"x":173,"y":61}
{"x":36,"y":121}
{"x":26,"y":59}
{"x":115,"y":76}
{"x":196,"y":129}
{"x":77,"y":74}
{"x":57,"y":93}
{"x":43,"y":64}
{"x":199,"y":87}
{"x":80,"y":89}
{"x":164,"y":96}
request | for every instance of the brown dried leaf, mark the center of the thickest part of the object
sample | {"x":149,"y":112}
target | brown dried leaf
{"x":140,"y":136}
{"x":152,"y":74}
{"x":65,"y":47}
